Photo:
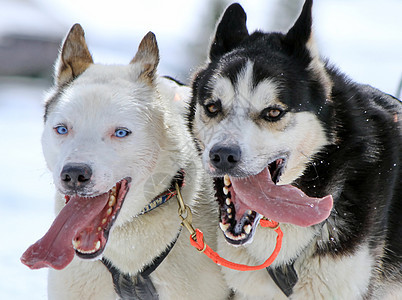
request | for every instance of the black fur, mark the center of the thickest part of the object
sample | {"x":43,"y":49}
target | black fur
{"x":362,"y":165}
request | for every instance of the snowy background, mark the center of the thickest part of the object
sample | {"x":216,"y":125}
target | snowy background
{"x":362,"y":37}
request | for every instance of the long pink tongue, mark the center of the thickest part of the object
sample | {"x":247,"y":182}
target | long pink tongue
{"x":55,"y":248}
{"x":282,"y":203}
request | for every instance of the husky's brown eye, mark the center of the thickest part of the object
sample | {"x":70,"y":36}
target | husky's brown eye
{"x":272,"y":113}
{"x":213,"y":108}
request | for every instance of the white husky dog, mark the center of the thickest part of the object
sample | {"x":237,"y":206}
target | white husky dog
{"x":117,"y":146}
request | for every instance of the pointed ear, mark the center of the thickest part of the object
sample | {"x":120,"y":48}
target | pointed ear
{"x":147,"y":56}
{"x":301,"y":42}
{"x":74,"y":57}
{"x":230,"y":31}
{"x":300,"y":37}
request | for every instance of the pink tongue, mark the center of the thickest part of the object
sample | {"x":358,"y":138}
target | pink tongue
{"x":281,"y":203}
{"x":55,"y":248}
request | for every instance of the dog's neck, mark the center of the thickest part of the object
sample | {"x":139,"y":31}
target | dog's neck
{"x":166,"y":195}
{"x":140,"y":286}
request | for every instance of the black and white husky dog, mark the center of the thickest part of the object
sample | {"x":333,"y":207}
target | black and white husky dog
{"x":288,"y":137}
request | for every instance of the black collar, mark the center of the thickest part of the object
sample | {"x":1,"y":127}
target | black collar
{"x":140,"y":286}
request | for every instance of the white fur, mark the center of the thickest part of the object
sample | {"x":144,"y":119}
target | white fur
{"x":258,"y":284}
{"x":100,"y":100}
{"x":340,"y":277}
{"x":320,"y":277}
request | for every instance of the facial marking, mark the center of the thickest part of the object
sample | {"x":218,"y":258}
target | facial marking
{"x":296,"y":136}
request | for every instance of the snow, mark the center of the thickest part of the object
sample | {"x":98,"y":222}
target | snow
{"x":362,"y":37}
{"x":26,"y":188}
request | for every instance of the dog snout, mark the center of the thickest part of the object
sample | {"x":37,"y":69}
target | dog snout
{"x":225,"y":157}
{"x":75,"y":176}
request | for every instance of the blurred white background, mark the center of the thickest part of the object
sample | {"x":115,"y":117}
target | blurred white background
{"x":362,"y":37}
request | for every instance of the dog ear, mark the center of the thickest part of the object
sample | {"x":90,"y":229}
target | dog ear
{"x":147,"y":56}
{"x":230,"y":31}
{"x":300,"y":42}
{"x":74,"y":57}
{"x":300,"y":36}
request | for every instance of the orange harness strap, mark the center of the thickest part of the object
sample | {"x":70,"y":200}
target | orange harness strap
{"x":197,"y":238}
{"x":200,"y":245}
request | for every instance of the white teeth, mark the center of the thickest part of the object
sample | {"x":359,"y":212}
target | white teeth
{"x":104,"y":221}
{"x":97,"y":245}
{"x":225,"y":190}
{"x":226,"y":180}
{"x":235,"y":238}
{"x":76,"y":244}
{"x":228,"y":202}
{"x":224,"y":227}
{"x":99,"y":228}
{"x":230,"y":216}
{"x":109,"y":211}
{"x":112,"y":200}
{"x":114,"y":190}
{"x":229,"y":210}
{"x":249,"y":212}
{"x":247,"y":229}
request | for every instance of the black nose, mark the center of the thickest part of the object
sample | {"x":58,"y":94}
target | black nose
{"x":225,"y":157}
{"x":75,"y":176}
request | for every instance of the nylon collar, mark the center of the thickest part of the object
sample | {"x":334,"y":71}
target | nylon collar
{"x":166,"y":195}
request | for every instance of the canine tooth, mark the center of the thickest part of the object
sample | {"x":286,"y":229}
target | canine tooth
{"x":104,"y":221}
{"x":247,"y":228}
{"x":109,"y":211}
{"x":76,"y":244}
{"x":249,"y":212}
{"x":228,"y":202}
{"x":226,"y":180}
{"x":224,"y":227}
{"x":225,"y":190}
{"x":97,"y":245}
{"x":112,"y":200}
{"x":229,"y":210}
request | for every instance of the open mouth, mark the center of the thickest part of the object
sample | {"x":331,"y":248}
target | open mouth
{"x":276,"y":169}
{"x":82,"y":227}
{"x":91,"y":241}
{"x":238,"y":222}
{"x":243,"y":201}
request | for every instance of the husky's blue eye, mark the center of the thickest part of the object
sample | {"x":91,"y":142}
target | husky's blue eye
{"x":122,"y":132}
{"x":61,"y":129}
